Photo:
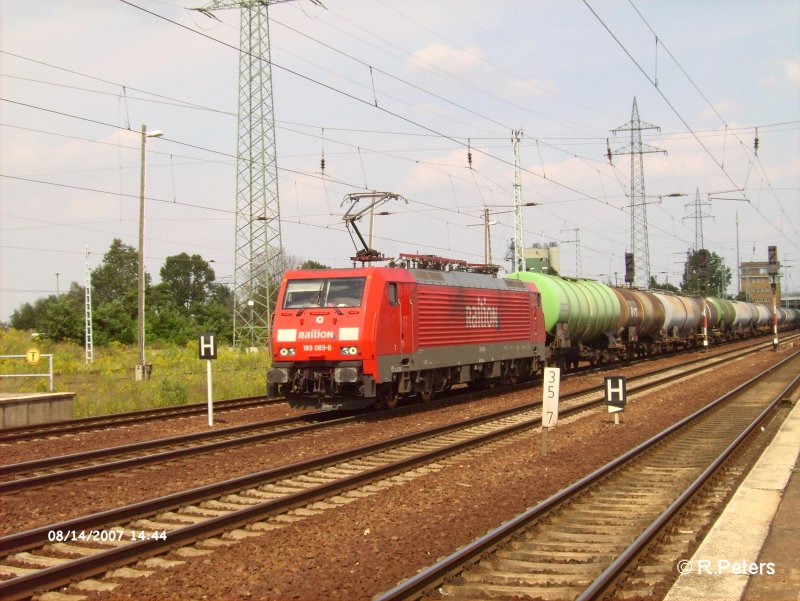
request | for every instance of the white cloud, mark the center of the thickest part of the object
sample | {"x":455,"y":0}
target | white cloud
{"x":792,"y":71}
{"x":447,"y":58}
{"x":723,"y":107}
{"x":532,"y":87}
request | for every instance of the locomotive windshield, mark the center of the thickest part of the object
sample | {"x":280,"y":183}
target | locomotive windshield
{"x":333,"y":292}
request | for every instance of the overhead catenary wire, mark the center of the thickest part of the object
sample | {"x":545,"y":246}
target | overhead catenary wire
{"x":363,"y":148}
{"x":353,"y":97}
{"x":660,"y":91}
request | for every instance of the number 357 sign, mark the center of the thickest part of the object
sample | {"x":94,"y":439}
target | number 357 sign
{"x":552,"y":379}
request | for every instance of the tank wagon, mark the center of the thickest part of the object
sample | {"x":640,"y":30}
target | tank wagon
{"x":370,"y":335}
{"x":587,"y":321}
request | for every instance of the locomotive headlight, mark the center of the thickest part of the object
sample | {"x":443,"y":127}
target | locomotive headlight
{"x":287,"y":351}
{"x":349,"y":350}
{"x":292,"y":352}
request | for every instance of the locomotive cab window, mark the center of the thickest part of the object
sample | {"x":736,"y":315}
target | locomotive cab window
{"x":393,"y":300}
{"x":333,"y":292}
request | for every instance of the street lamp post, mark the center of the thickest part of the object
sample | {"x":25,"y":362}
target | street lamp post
{"x":487,"y":239}
{"x":141,"y":370}
{"x":738,"y":261}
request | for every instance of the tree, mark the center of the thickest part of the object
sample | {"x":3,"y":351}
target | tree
{"x":115,"y":294}
{"x":63,"y":317}
{"x":57,"y":317}
{"x":113,"y":321}
{"x":187,"y":301}
{"x":313,"y":265}
{"x":188,"y":279}
{"x":24,"y":318}
{"x":117,"y":275}
{"x":655,"y":285}
{"x":718,"y":276}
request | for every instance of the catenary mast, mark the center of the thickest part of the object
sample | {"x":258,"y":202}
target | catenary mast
{"x":640,"y":244}
{"x":258,"y":250}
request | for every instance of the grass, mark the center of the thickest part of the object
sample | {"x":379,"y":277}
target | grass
{"x":107,"y":384}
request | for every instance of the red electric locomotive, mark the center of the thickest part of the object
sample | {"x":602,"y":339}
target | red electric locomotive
{"x":371,"y":335}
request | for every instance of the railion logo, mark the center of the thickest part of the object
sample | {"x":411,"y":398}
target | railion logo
{"x":481,"y":315}
{"x":315,"y":334}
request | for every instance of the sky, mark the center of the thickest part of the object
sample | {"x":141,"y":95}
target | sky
{"x":396,"y":95}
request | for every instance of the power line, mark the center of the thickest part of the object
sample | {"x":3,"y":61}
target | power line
{"x":716,"y":112}
{"x":680,"y":117}
{"x":357,"y":99}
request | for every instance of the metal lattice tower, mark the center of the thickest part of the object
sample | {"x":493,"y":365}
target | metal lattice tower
{"x":698,"y":215}
{"x":519,"y":241}
{"x":640,"y":243}
{"x":89,"y":346}
{"x":258,"y":260}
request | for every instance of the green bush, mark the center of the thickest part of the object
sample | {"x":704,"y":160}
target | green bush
{"x":107,"y":384}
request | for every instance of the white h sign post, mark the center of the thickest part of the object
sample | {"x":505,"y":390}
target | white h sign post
{"x":208,"y":351}
{"x":552,"y":381}
{"x":615,"y":395}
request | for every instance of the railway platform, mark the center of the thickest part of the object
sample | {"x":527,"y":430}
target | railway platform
{"x":27,"y":409}
{"x":751,"y":552}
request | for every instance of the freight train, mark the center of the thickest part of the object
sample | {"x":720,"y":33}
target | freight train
{"x":369,"y":336}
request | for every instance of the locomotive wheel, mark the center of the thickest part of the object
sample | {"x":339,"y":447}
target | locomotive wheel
{"x":387,"y":396}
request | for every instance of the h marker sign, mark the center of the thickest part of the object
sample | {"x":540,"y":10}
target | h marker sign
{"x":208,"y":351}
{"x":208,"y":346}
{"x":615,"y":395}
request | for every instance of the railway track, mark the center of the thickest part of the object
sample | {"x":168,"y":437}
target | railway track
{"x":191,"y":521}
{"x":73,"y":426}
{"x":52,"y":470}
{"x":114,"y":420}
{"x":584,"y":541}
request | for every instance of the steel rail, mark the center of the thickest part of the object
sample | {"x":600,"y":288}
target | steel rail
{"x":132,"y":462}
{"x":434,"y":575}
{"x":80,"y":472}
{"x":617,"y":567}
{"x":131,"y":417}
{"x":144,"y":415}
{"x":23,"y":586}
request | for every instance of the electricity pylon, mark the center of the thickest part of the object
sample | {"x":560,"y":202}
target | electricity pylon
{"x":519,"y":229}
{"x":640,"y":242}
{"x":258,"y":252}
{"x":698,"y":215}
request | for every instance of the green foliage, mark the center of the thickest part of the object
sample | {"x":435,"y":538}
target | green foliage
{"x":655,"y":285}
{"x":189,"y":280}
{"x":170,"y":324}
{"x":718,"y":279}
{"x":107,"y":385}
{"x":117,"y":275}
{"x":185,"y":303}
{"x":173,"y":392}
{"x":56,"y":317}
{"x":313,"y":265}
{"x":25,"y":317}
{"x":114,"y":321}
